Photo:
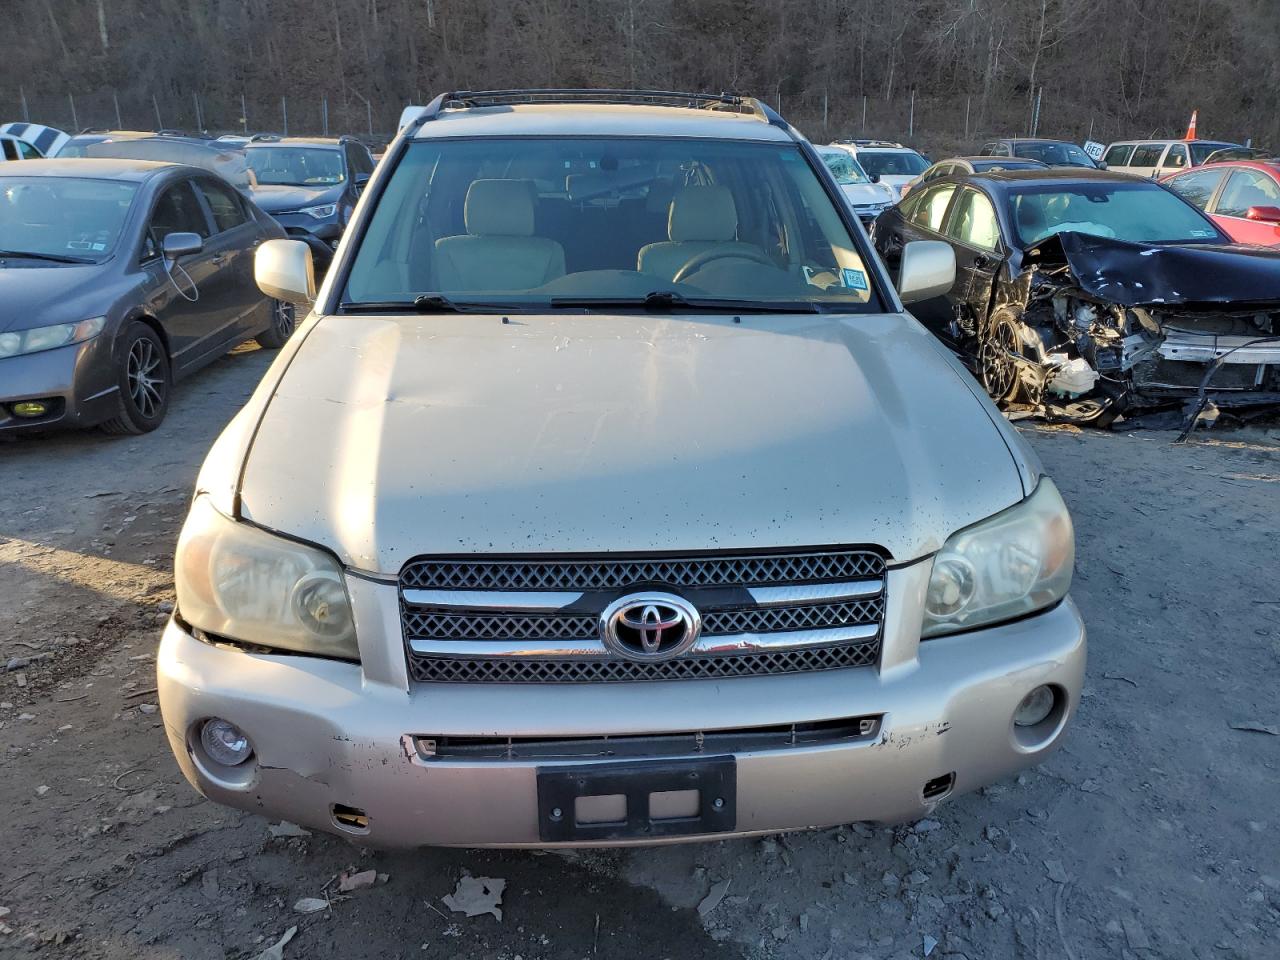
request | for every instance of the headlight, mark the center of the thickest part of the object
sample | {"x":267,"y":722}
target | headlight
{"x":322,"y":212}
{"x":18,"y":342}
{"x":236,"y":581}
{"x":1014,"y":563}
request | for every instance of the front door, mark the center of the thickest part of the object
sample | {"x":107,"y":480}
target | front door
{"x":974,"y":233}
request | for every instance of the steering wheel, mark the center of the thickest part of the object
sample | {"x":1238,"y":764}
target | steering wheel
{"x":695,"y":264}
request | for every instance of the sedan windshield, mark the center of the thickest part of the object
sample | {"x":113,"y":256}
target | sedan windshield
{"x":843,"y":167}
{"x":62,"y":218}
{"x":296,"y":166}
{"x":587,"y":224}
{"x":1054,"y":154}
{"x":892,"y":163}
{"x":1139,"y":212}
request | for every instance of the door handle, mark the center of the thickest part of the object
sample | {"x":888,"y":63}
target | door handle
{"x":220,"y":259}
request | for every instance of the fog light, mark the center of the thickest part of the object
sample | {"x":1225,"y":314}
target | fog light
{"x":1035,"y":706}
{"x":225,"y":742}
{"x":30,"y":408}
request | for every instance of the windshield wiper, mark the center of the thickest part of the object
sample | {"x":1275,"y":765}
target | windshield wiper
{"x":664,"y":301}
{"x":51,"y":257}
{"x":430,"y":303}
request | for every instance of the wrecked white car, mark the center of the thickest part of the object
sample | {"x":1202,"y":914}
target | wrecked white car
{"x":609,"y":495}
{"x":1083,"y":295}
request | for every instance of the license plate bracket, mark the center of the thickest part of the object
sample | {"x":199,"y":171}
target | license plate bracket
{"x":714,"y":779}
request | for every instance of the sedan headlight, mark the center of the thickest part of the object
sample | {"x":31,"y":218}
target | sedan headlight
{"x":18,"y":342}
{"x":1014,"y":563}
{"x":237,"y":581}
{"x":322,"y":212}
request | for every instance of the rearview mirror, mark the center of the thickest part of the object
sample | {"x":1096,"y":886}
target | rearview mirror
{"x":284,"y":270}
{"x":928,"y":270}
{"x":1263,"y":214}
{"x":180,"y":244}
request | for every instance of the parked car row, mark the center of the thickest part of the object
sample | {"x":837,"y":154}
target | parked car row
{"x":128,"y":260}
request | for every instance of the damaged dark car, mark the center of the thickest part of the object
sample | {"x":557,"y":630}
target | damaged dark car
{"x":1084,"y":295}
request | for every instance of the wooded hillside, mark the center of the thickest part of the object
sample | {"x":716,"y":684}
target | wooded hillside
{"x":1116,"y":67}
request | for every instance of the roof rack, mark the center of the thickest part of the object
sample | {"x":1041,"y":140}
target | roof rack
{"x":465,"y":99}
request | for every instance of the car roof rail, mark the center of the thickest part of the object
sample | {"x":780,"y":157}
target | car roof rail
{"x":413,"y":117}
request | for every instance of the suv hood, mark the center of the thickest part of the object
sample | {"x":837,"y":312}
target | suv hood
{"x":277,"y":198}
{"x":864,"y":193}
{"x":390,"y":437}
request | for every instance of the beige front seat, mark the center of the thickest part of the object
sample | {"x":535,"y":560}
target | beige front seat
{"x":702,"y":218}
{"x":498,"y":251}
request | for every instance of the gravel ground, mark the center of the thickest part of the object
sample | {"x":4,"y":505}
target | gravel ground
{"x":1153,"y":833}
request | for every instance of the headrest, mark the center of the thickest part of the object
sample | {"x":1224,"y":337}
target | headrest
{"x":501,"y":208}
{"x":703,"y":213}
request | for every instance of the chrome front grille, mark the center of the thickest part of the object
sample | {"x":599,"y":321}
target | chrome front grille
{"x":781,"y":568}
{"x":537,"y":620}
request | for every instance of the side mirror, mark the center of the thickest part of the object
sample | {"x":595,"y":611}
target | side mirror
{"x":875,"y":177}
{"x":1100,"y":164}
{"x":177,"y":245}
{"x":1263,"y":214}
{"x":284,"y":270}
{"x":362,"y":179}
{"x":928,"y":270}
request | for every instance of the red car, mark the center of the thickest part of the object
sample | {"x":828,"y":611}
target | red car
{"x":1241,"y":196}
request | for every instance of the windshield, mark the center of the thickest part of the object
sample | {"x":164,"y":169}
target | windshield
{"x":63,"y":217}
{"x":843,"y":167}
{"x":892,"y":163}
{"x":576,"y":223}
{"x":296,"y":166}
{"x":1059,"y":154}
{"x":1138,"y":212}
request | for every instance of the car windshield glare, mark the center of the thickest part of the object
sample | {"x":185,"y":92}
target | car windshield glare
{"x":1137,"y":212}
{"x":63,"y":217}
{"x":296,"y":166}
{"x":892,"y":163}
{"x":843,"y":167}
{"x":578,"y":223}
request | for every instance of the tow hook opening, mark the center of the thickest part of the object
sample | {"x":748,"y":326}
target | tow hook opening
{"x":939,"y":787}
{"x":350,"y":819}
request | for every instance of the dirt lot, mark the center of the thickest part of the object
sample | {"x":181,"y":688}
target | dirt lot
{"x":1153,"y":833}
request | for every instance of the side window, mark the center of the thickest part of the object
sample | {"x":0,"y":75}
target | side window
{"x":1197,"y":188}
{"x":1118,"y":155}
{"x":1245,"y":189}
{"x":27,"y":151}
{"x":177,"y":211}
{"x":1176,"y":158}
{"x":10,"y":149}
{"x":974,"y":222}
{"x":932,"y":207}
{"x":228,"y":212}
{"x":1147,"y":155}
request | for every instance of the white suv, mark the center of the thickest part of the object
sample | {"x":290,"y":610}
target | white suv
{"x":608,"y":494}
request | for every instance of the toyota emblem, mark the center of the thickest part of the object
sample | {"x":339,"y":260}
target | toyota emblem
{"x":650,"y":626}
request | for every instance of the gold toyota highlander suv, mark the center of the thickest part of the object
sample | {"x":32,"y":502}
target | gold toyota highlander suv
{"x":608,"y":494}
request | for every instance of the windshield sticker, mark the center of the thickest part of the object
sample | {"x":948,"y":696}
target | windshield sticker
{"x":854,"y":279}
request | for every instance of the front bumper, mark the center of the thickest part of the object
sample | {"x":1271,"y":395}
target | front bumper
{"x":79,"y":379}
{"x":327,"y":733}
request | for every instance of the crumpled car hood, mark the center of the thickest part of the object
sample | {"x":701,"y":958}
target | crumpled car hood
{"x":390,"y":437}
{"x":1143,"y":274}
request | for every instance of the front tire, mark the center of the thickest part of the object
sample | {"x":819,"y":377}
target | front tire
{"x":145,"y":381}
{"x":283,"y":321}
